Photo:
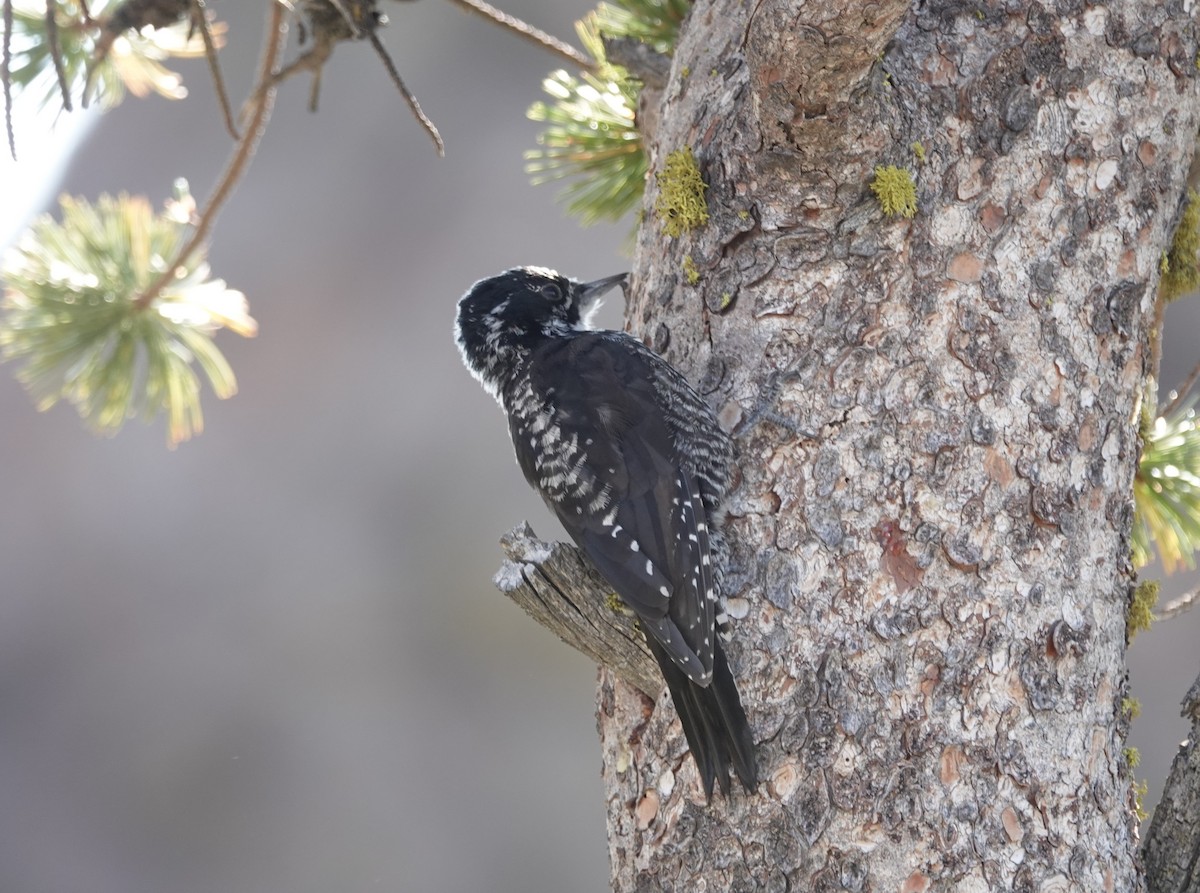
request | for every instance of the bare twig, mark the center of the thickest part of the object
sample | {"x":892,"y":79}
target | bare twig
{"x":312,"y":60}
{"x":6,"y":76}
{"x":56,"y":52}
{"x":1182,"y":391}
{"x":327,"y":32}
{"x":200,"y":17}
{"x":261,"y":99}
{"x":314,"y":90}
{"x":408,"y":97}
{"x":529,"y":32}
{"x":1178,"y":606}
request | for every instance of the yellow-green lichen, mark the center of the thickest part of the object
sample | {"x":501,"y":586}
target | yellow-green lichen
{"x":726,"y":300}
{"x":1180,"y":273}
{"x":918,"y":151}
{"x":896,"y":191}
{"x":680,"y":205}
{"x":1141,"y":608}
{"x":1132,"y":756}
{"x":690,"y":273}
{"x":613,"y":602}
{"x":1131,"y":707}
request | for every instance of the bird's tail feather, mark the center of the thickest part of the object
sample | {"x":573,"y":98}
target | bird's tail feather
{"x":713,"y":721}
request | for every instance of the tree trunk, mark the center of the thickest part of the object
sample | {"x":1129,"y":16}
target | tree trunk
{"x":1172,"y":849}
{"x":937,"y":424}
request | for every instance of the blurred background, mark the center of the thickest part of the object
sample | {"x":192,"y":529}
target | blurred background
{"x":273,"y":659}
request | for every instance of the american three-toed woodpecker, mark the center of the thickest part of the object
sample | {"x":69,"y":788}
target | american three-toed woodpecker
{"x":634,"y":464}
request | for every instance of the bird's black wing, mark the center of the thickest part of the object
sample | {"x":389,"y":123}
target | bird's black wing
{"x":599,"y":447}
{"x":631,"y":461}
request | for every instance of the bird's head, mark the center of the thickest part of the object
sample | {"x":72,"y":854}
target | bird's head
{"x":506,"y":316}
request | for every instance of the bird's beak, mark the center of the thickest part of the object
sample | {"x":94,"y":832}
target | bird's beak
{"x":587,"y":293}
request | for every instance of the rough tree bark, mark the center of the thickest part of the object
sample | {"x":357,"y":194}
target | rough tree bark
{"x":1172,"y":850}
{"x":937,"y":428}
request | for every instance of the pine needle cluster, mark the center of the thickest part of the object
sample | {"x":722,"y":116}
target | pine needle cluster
{"x":76,"y":314}
{"x":72,"y":53}
{"x":591,"y":137}
{"x":655,"y":22}
{"x":591,"y":133}
{"x":1166,"y":490}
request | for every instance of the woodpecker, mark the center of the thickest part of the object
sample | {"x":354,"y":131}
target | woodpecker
{"x":634,"y":464}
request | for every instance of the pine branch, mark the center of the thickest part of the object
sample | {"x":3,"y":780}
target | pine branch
{"x":591,"y":137}
{"x":70,"y":316}
{"x":592,"y":133}
{"x":98,"y":317}
{"x":1177,"y":606}
{"x":63,"y":51}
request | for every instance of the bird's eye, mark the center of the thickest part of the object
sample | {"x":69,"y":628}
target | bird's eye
{"x":552,"y":293}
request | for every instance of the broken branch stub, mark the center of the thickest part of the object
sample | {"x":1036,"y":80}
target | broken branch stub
{"x":556,"y":586}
